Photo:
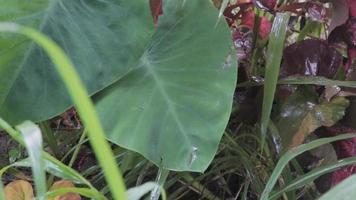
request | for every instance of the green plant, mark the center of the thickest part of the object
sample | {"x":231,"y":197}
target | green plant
{"x":157,"y":80}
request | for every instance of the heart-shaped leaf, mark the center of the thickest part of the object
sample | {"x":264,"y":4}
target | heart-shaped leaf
{"x":174,"y":107}
{"x":95,"y":34}
{"x":171,"y":85}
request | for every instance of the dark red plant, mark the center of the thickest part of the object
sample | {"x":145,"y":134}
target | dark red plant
{"x":343,"y":149}
{"x":311,"y":57}
{"x":156,"y":9}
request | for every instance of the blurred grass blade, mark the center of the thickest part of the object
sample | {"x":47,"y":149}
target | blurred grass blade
{"x":51,"y":164}
{"x":33,"y":142}
{"x":312,"y":175}
{"x":274,"y":57}
{"x":316,"y":80}
{"x":2,"y":194}
{"x":223,"y":7}
{"x":345,"y":190}
{"x":306,"y":80}
{"x":85,"y":192}
{"x":161,"y":179}
{"x":138,"y":192}
{"x":292,"y":153}
{"x":83,"y":104}
{"x":56,"y":168}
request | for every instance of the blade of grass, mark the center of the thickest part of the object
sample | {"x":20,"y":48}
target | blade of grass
{"x":52,"y":168}
{"x":306,"y":80}
{"x":85,"y":192}
{"x":312,"y":175}
{"x":346,"y":190}
{"x":83,"y":104}
{"x":309,"y":27}
{"x":33,"y":142}
{"x":2,"y":193}
{"x":161,"y":180}
{"x":49,"y":137}
{"x":316,"y":80}
{"x":223,"y":7}
{"x":138,"y":192}
{"x":292,"y":153}
{"x":77,"y":148}
{"x":274,"y":57}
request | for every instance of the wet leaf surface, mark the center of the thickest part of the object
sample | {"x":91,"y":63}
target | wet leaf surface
{"x":301,"y":114}
{"x":324,"y":114}
{"x":292,"y":111}
{"x":310,"y":57}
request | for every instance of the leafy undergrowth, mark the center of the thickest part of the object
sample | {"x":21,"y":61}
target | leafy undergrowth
{"x":292,"y":106}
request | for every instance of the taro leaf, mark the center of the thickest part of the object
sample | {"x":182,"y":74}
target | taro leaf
{"x":172,"y":84}
{"x":310,"y":57}
{"x":103,"y":39}
{"x":19,"y":190}
{"x":300,"y":115}
{"x":174,"y":107}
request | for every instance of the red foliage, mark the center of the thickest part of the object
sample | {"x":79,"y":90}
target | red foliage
{"x":248,"y":20}
{"x":156,"y":9}
{"x":343,"y":149}
{"x":352,"y":6}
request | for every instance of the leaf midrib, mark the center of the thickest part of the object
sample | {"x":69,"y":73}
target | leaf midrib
{"x":146,"y":63}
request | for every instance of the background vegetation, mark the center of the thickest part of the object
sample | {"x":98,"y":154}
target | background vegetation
{"x":113,"y":99}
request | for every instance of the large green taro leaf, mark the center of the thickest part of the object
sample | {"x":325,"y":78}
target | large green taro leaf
{"x":96,"y":34}
{"x":173,"y":108}
{"x":170,"y":87}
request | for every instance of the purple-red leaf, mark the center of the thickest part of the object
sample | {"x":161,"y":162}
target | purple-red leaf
{"x":310,"y":57}
{"x":352,"y":6}
{"x":343,"y":149}
{"x":267,"y":5}
{"x":156,"y":9}
{"x":340,"y":13}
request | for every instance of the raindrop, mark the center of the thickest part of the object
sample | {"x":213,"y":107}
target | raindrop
{"x":228,"y":62}
{"x":193,"y":156}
